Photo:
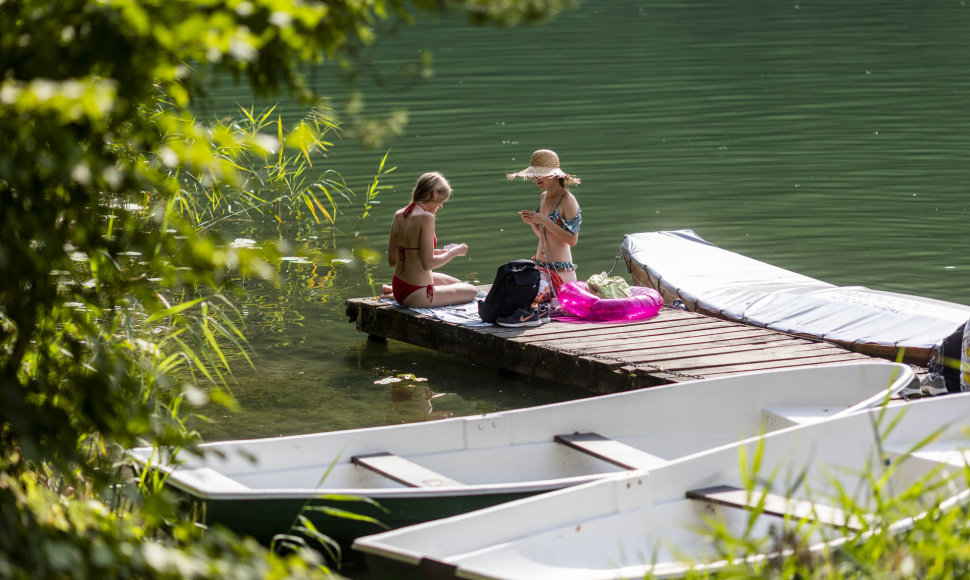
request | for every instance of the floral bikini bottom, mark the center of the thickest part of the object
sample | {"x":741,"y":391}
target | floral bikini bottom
{"x":561,"y":266}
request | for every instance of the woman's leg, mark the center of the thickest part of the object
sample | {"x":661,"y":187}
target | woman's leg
{"x":448,"y":290}
{"x":443,"y":279}
{"x":458,"y":293}
{"x":439,"y":280}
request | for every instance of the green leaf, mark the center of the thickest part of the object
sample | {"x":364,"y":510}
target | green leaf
{"x":173,"y":310}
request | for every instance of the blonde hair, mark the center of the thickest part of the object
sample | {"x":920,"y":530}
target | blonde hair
{"x":431,"y":186}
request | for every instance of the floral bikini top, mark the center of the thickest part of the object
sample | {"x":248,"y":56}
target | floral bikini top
{"x":570,"y":225}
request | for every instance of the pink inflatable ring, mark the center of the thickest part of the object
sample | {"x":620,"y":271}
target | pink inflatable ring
{"x":576,"y":299}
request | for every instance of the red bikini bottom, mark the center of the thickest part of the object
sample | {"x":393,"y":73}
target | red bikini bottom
{"x":402,"y":290}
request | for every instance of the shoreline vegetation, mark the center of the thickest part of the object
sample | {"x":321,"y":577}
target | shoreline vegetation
{"x":117,"y":315}
{"x":119,"y":312}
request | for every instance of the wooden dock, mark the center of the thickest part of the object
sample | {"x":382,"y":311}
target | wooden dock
{"x":674,"y":346}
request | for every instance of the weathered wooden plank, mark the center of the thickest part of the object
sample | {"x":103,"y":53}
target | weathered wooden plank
{"x":479,"y":345}
{"x":564,"y":333}
{"x":698,"y":341}
{"x":761,"y":355}
{"x":759,"y":365}
{"x":733,"y":347}
{"x":666,"y":316}
{"x":682,"y":343}
{"x":560,"y":332}
{"x":674,"y":346}
{"x":772,"y":365}
{"x":672,"y":336}
{"x":649,"y":350}
{"x":703,"y":366}
{"x":677,"y":376}
{"x":780,"y":348}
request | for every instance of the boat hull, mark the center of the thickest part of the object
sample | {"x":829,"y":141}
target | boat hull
{"x":261,"y":518}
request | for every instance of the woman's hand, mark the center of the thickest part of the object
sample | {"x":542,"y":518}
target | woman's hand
{"x":456,"y":249}
{"x":532,"y":217}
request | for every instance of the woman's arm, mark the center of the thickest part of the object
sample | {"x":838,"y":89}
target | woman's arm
{"x":445,"y":256}
{"x":536,"y":228}
{"x":570,"y":209}
{"x":533,"y":218}
{"x":431,"y":259}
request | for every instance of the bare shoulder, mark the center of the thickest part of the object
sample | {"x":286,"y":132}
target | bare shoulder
{"x":423,"y":218}
{"x":570,"y":204}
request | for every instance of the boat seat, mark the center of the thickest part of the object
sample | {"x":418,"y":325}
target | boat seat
{"x":403,"y":471}
{"x":611,"y":450}
{"x":208,"y":478}
{"x":779,"y":417}
{"x":777,"y":505}
{"x":951,"y":453}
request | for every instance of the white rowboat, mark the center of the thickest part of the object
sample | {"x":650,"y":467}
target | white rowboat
{"x":659,"y":522}
{"x":422,"y":471}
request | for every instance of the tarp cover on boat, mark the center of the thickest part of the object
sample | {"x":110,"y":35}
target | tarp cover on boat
{"x":681,"y":264}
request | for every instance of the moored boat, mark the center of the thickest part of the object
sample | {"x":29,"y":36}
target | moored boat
{"x":423,"y":471}
{"x":816,"y":486}
{"x":683,"y":266}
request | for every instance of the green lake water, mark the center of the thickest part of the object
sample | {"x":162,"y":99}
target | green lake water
{"x":828,"y":138}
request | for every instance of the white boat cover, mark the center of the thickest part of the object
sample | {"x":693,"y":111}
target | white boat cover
{"x":681,"y":264}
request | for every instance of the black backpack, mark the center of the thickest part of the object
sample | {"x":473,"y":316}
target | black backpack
{"x":516,"y":286}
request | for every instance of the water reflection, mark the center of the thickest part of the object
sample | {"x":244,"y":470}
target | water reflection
{"x":410,"y":401}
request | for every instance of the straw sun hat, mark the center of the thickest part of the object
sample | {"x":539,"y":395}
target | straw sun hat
{"x":544,"y":163}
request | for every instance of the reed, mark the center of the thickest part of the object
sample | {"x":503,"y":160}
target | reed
{"x":916,"y":532}
{"x":279,"y":186}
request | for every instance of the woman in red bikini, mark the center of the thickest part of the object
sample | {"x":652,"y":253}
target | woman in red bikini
{"x":411,"y":250}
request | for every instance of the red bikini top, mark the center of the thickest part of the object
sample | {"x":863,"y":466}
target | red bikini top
{"x":407,"y":213}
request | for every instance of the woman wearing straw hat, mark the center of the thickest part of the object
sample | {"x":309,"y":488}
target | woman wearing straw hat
{"x":556,"y":218}
{"x":411,"y":251}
